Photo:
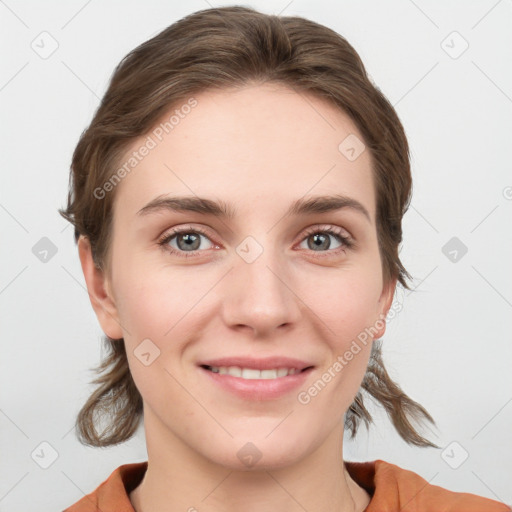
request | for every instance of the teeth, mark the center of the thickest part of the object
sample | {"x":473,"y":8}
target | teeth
{"x":251,"y":373}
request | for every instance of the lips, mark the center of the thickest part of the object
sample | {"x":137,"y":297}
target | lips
{"x":268,"y":363}
{"x":238,"y":375}
{"x":257,"y":389}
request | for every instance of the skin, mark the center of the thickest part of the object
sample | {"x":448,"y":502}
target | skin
{"x":258,"y":148}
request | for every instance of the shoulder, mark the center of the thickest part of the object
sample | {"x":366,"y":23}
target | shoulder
{"x":394,"y":488}
{"x":112,"y":494}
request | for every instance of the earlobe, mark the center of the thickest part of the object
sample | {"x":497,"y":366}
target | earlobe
{"x":97,"y":287}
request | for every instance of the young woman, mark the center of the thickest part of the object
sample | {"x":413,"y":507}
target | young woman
{"x":237,"y":203}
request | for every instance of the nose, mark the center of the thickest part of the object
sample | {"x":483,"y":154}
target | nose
{"x":259,"y":296}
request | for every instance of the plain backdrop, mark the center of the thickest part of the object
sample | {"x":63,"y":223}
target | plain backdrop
{"x":445,"y":66}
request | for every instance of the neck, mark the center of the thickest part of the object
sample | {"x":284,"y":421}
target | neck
{"x":180,"y":479}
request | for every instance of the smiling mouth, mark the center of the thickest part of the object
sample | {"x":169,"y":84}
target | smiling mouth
{"x":252,"y":373}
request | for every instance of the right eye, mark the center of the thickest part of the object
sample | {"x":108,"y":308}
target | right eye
{"x":187,"y":241}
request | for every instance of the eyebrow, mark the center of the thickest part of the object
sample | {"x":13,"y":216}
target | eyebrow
{"x":221,"y":209}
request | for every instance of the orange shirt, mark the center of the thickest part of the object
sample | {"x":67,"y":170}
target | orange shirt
{"x":392,"y":489}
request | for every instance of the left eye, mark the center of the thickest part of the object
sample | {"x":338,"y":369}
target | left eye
{"x":320,"y":240}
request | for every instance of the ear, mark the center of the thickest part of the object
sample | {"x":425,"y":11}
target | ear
{"x":384,"y":304}
{"x":98,"y":289}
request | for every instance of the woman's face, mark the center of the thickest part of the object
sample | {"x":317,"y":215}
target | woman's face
{"x":271,"y":280}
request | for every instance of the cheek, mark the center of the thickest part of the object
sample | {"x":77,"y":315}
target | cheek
{"x":164,"y":306}
{"x":158,"y":310}
{"x":346,"y":300}
{"x":346,"y":303}
{"x":151,"y":302}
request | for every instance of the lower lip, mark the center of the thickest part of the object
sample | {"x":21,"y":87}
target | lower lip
{"x":258,"y":389}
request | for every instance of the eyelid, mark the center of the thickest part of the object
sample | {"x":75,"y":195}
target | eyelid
{"x":332,"y":228}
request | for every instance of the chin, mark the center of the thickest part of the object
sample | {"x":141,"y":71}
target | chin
{"x":260,"y":454}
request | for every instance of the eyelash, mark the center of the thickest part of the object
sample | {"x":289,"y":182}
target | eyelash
{"x":347,"y":243}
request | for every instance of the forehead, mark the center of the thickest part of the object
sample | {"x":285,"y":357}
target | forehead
{"x":265,"y":143}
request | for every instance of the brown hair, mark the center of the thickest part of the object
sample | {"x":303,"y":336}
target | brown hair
{"x":221,"y":48}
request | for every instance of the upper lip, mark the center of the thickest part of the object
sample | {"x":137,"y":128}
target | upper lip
{"x":258,"y":364}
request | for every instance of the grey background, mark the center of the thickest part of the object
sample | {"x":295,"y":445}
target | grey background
{"x":450,"y":345}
